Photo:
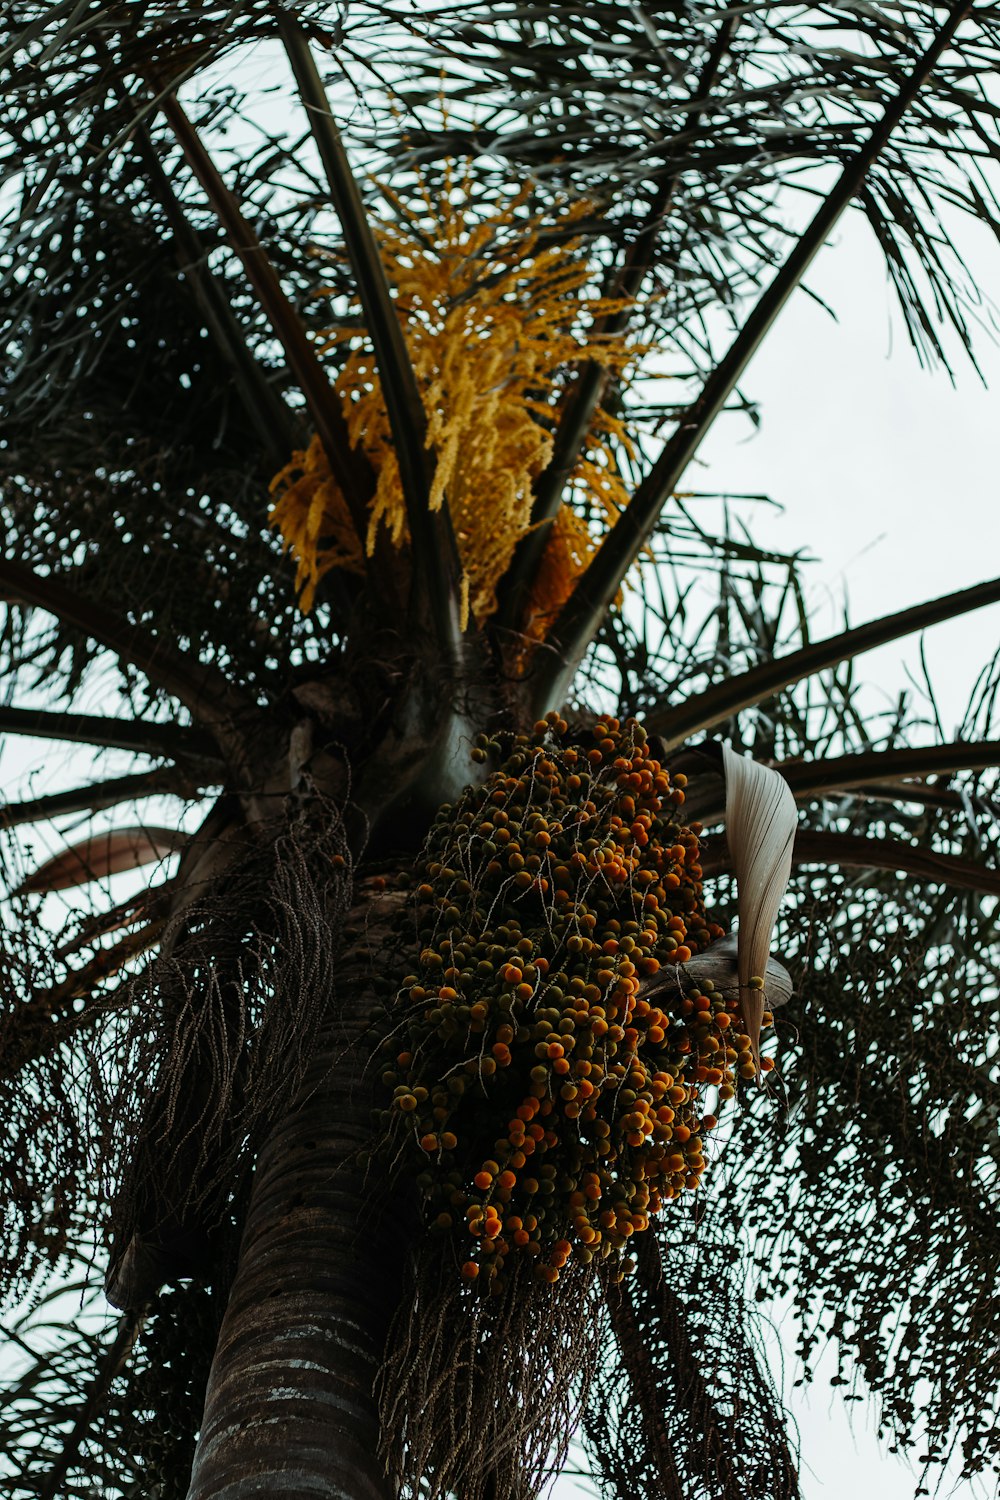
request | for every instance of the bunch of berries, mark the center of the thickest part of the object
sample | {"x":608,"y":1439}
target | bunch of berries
{"x":546,"y":1058}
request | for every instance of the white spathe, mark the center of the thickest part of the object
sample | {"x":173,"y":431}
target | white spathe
{"x":760,"y":830}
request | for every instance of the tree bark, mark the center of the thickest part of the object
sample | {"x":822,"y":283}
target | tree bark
{"x":289,"y":1409}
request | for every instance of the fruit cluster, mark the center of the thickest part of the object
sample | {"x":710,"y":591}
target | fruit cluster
{"x":546,"y":1079}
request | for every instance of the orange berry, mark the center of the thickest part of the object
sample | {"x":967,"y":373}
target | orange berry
{"x":483,"y":1180}
{"x":470,"y":1270}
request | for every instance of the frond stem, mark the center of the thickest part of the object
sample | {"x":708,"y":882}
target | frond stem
{"x":176,"y":742}
{"x":164,"y":781}
{"x":871,"y":773}
{"x":437,"y":569}
{"x":585,"y":397}
{"x":350,"y":469}
{"x":854,"y":851}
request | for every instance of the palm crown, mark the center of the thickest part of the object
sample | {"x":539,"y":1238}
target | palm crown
{"x":335,"y":449}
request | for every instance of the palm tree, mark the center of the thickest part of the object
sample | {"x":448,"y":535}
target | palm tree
{"x":333,"y":459}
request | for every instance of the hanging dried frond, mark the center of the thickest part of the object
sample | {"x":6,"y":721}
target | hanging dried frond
{"x":48,"y":1077}
{"x":101,"y":855}
{"x":216,"y":1036}
{"x":164,"y":1389}
{"x":480,"y":1396}
{"x":496,"y":308}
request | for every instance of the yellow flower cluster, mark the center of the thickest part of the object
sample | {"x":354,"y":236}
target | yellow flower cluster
{"x":495,"y":314}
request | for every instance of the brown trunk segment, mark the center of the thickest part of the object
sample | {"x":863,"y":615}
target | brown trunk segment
{"x":289,"y":1409}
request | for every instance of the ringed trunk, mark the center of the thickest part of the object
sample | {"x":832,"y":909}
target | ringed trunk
{"x":289,"y":1408}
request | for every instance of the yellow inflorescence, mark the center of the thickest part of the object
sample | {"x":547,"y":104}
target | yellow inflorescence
{"x":495,"y":316}
{"x":549,"y":1085}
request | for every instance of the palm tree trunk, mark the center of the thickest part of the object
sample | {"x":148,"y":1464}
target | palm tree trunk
{"x":289,"y":1408}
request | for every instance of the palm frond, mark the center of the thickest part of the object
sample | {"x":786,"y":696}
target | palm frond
{"x":324,"y":409}
{"x":689,"y":1408}
{"x":205,"y":693}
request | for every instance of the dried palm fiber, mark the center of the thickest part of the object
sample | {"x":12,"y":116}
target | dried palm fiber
{"x":153,"y":1412}
{"x":213,"y":1037}
{"x":495,"y":315}
{"x":687,"y":1410}
{"x":479,"y":1396}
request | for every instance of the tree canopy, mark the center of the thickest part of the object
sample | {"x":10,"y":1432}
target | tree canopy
{"x":353,"y":361}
